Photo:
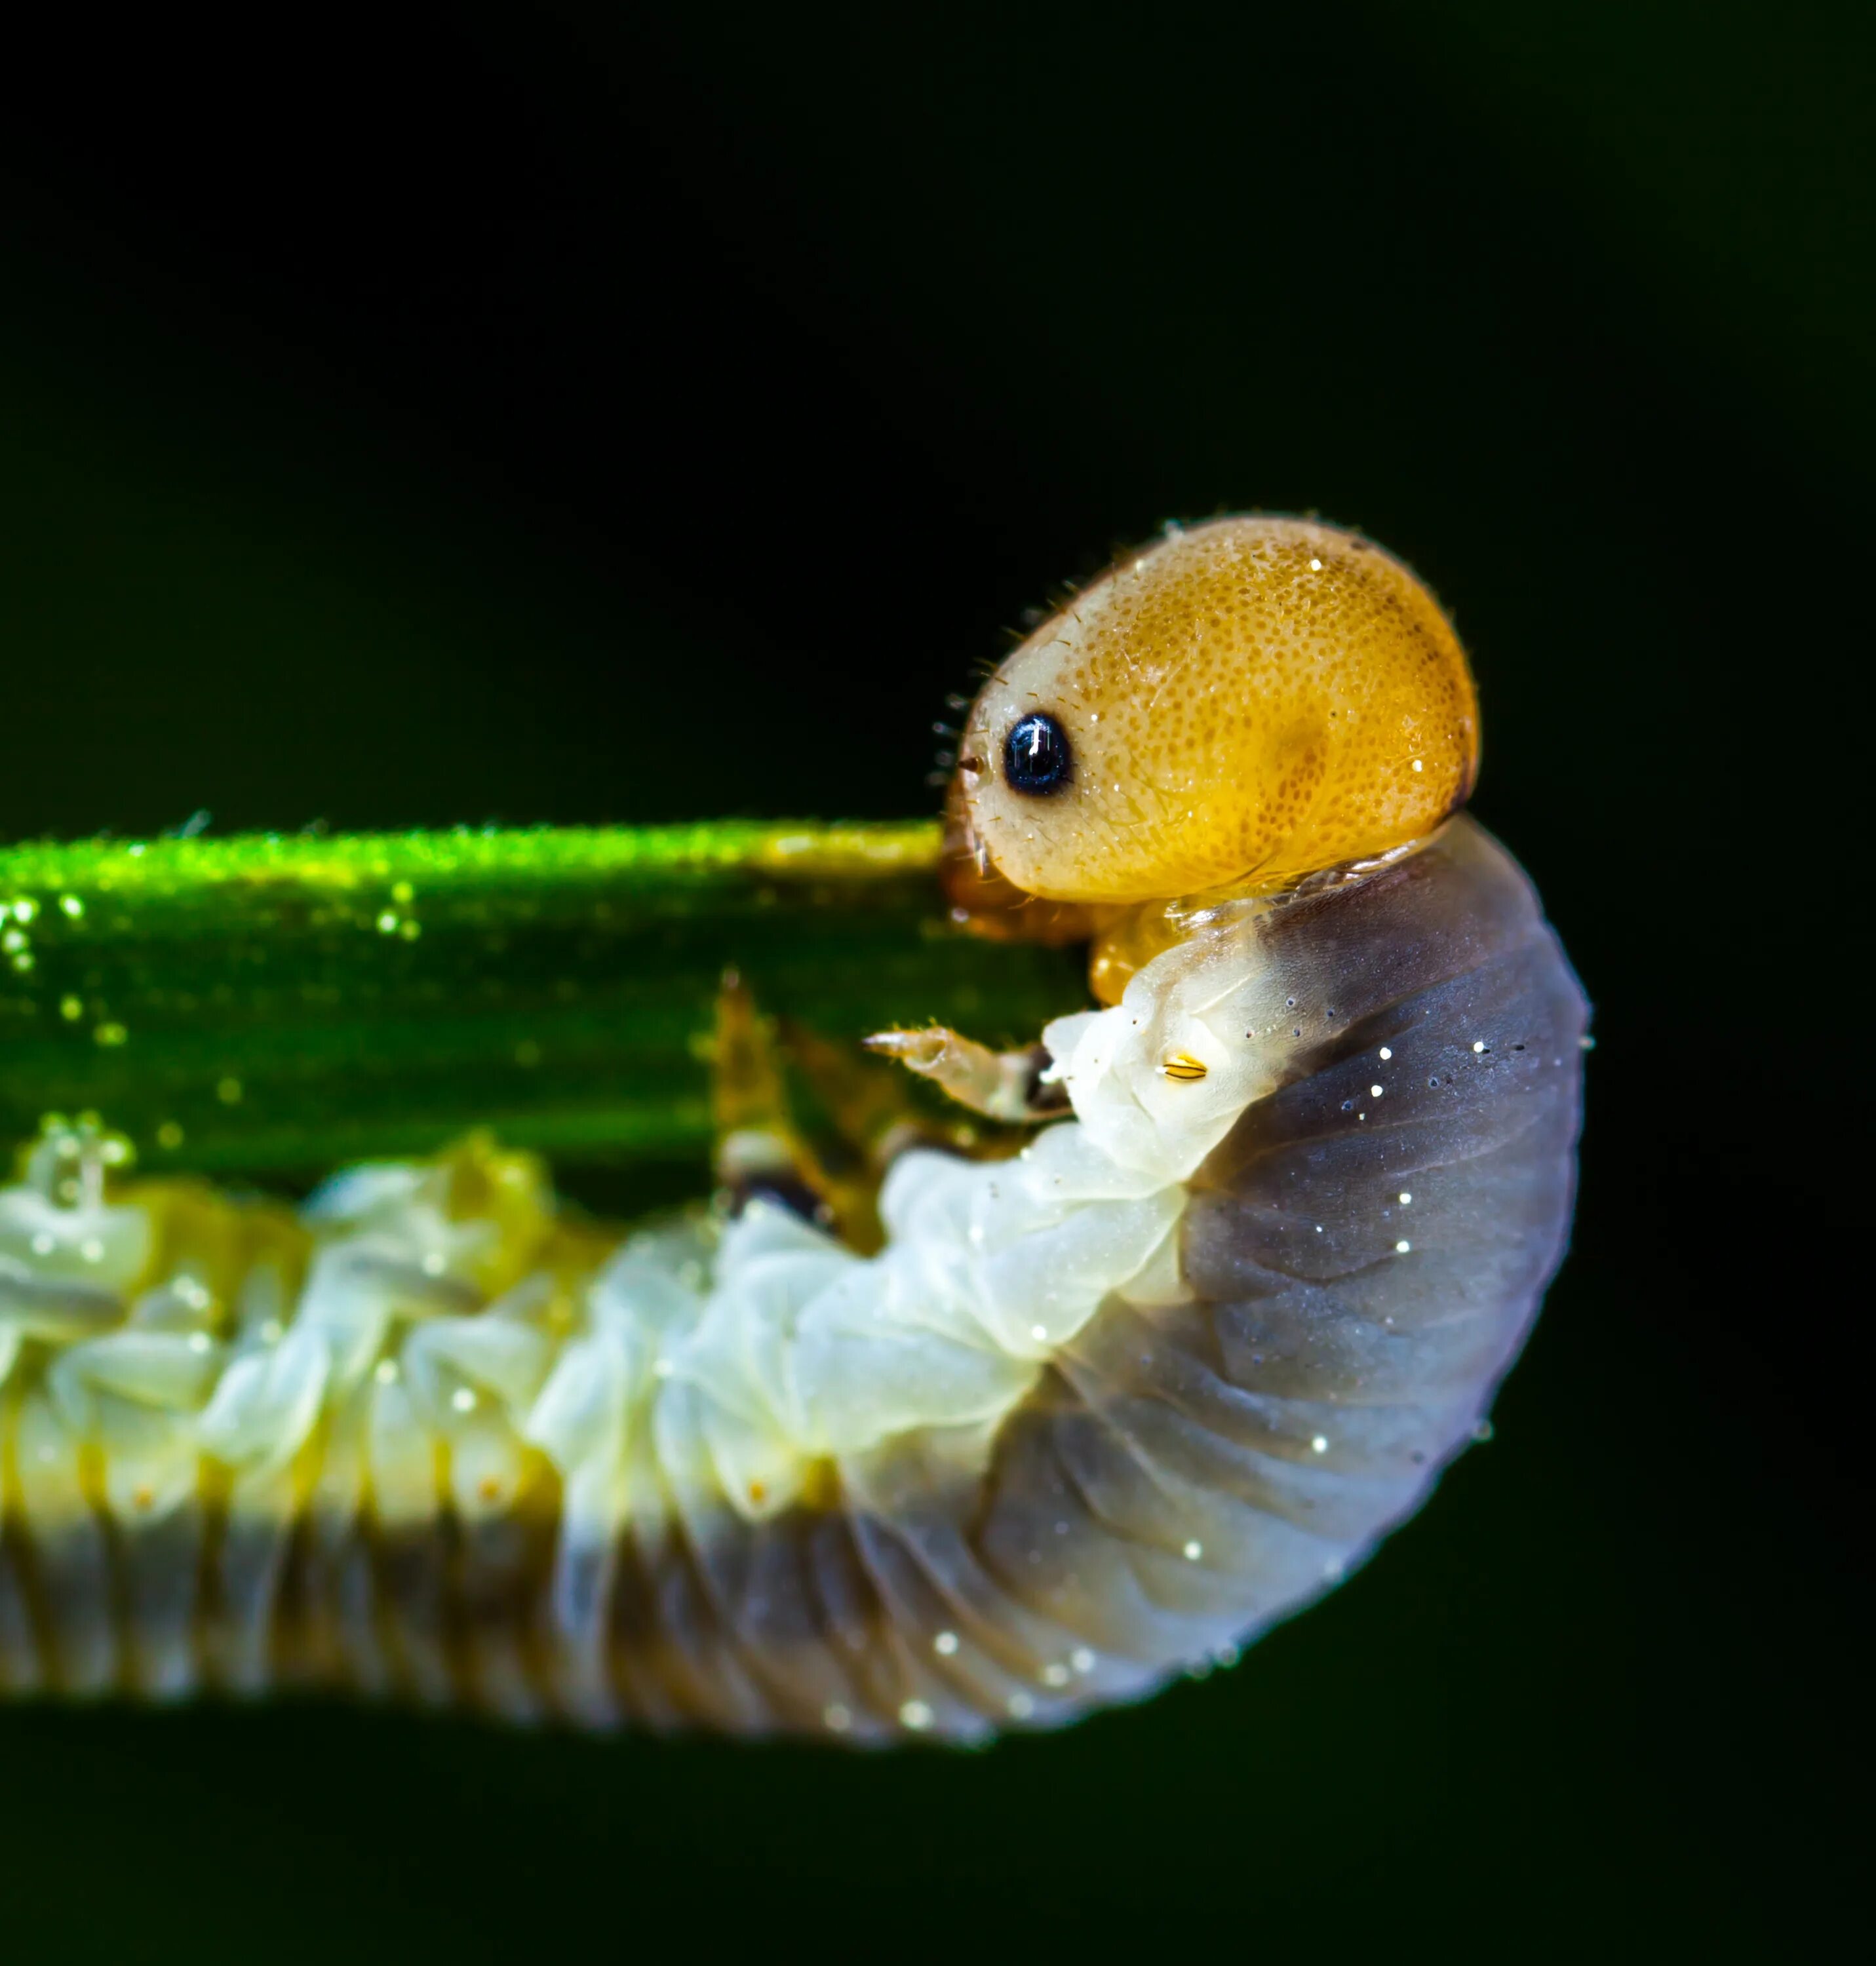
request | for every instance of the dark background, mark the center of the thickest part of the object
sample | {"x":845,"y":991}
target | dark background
{"x":580,"y":415}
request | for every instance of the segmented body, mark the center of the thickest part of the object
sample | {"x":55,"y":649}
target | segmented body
{"x":1090,"y":1415}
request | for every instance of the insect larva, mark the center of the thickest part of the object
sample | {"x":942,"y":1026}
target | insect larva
{"x":1090,"y":1415}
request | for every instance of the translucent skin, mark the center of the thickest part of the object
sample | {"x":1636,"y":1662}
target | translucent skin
{"x":1249,"y":700}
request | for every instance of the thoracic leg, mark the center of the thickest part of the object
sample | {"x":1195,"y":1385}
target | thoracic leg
{"x":759,"y":1149}
{"x":1007,"y":1086}
{"x":864,"y":1114}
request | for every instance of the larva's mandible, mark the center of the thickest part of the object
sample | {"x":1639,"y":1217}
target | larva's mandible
{"x":1088,"y":1415}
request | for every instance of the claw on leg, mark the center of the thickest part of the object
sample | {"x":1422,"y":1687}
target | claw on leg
{"x":1004,"y":1085}
{"x":861,"y":1112}
{"x":869,"y":1106}
{"x":759,"y":1150}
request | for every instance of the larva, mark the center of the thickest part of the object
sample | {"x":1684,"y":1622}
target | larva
{"x":1088,"y":1415}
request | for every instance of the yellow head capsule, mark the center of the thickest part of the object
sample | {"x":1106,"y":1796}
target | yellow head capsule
{"x":1249,"y":700}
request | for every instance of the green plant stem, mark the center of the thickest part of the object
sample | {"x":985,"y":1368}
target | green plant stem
{"x":276,"y":1006}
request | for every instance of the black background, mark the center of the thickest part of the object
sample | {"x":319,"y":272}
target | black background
{"x":580,"y":415}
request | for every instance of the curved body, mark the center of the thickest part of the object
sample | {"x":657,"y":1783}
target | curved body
{"x":1090,"y":1415}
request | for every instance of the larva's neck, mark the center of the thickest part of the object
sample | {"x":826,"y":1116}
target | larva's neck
{"x":1124,"y":941}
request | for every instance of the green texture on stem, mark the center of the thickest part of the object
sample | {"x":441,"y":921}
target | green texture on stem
{"x":276,"y":1006}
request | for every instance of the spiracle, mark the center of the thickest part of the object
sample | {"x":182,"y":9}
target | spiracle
{"x":1089,"y":1414}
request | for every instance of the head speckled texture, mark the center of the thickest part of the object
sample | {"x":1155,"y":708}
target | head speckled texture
{"x":1257,"y":697}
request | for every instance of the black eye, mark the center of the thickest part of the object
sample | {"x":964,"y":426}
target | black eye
{"x":1035,"y":756}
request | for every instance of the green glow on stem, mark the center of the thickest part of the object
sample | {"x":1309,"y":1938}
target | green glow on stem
{"x":280,"y":1004}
